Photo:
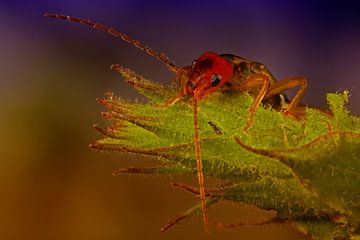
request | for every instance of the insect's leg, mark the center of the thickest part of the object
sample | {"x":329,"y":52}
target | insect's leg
{"x":182,"y":92}
{"x":253,"y":82}
{"x":286,"y":84}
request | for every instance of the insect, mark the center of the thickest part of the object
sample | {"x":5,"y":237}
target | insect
{"x":209,"y":73}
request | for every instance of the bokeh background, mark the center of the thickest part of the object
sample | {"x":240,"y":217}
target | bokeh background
{"x":53,"y":187}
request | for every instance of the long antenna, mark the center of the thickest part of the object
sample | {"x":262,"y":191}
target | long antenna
{"x":159,"y":56}
{"x":172,"y":67}
{"x":199,"y":165}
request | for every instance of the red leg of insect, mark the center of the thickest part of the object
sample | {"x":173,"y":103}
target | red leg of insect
{"x":286,"y":84}
{"x":182,"y":86}
{"x":253,"y":82}
{"x":199,"y":164}
{"x":182,"y":77}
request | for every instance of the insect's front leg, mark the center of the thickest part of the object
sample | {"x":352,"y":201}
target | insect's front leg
{"x":182,"y":76}
{"x":182,"y":93}
{"x":286,"y":84}
{"x":254,"y":81}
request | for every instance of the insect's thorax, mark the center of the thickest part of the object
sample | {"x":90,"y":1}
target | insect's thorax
{"x":244,"y":69}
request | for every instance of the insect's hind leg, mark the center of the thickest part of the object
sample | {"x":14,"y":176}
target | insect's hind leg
{"x":286,"y":84}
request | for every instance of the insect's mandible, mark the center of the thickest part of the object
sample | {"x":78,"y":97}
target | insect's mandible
{"x":207,"y":74}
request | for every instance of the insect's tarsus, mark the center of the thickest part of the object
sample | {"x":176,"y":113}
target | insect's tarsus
{"x":159,"y":56}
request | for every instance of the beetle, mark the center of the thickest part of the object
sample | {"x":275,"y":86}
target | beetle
{"x":212,"y":72}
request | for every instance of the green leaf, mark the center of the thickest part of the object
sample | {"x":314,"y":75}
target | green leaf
{"x":307,"y":170}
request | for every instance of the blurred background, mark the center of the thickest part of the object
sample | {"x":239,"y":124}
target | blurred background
{"x":53,"y":187}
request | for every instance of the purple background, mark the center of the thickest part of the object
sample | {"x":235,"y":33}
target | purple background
{"x":51,"y":72}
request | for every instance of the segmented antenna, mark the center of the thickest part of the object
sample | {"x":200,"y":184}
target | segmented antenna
{"x":159,"y":56}
{"x":199,"y":166}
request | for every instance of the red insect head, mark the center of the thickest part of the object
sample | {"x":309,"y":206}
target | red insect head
{"x":208,"y":73}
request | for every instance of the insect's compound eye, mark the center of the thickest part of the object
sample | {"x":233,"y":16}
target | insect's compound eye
{"x":193,"y":64}
{"x":215,"y":80}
